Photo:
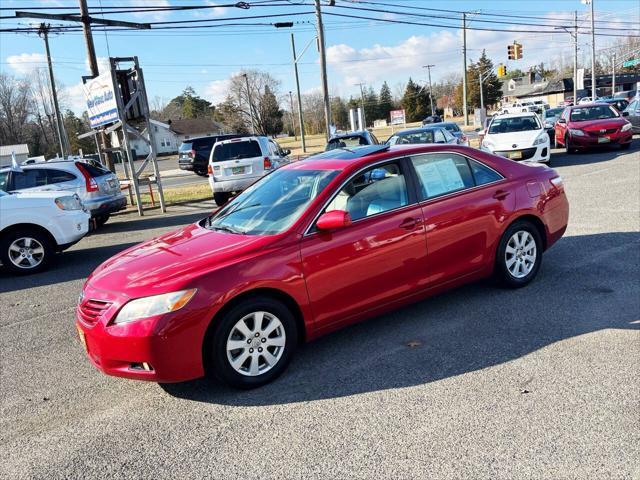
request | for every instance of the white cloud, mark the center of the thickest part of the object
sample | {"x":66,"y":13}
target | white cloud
{"x":216,"y":91}
{"x":103,"y":64}
{"x":151,"y":16}
{"x":74,"y":98}
{"x":210,"y":12}
{"x":26,"y":63}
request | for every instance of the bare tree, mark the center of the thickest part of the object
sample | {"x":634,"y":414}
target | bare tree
{"x":15,"y":105}
{"x":256,"y":101}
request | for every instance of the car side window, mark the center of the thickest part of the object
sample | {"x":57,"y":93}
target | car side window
{"x":376,"y":190}
{"x":4,"y":179}
{"x":29,"y":179}
{"x":439,"y":136}
{"x":633,"y":105}
{"x":483,"y":174}
{"x":59,"y":176}
{"x":442,"y":173}
{"x":448,"y":136}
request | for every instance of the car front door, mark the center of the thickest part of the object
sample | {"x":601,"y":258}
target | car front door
{"x":561,"y":128}
{"x":379,"y":258}
{"x":463,"y":202}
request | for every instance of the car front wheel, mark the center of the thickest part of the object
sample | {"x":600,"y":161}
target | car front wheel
{"x":221,"y":198}
{"x":567,"y":145}
{"x":252,"y":343}
{"x":519,"y":255}
{"x":26,"y":251}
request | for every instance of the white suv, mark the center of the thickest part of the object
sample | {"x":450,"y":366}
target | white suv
{"x":35,"y":225}
{"x":518,"y":136}
{"x":518,"y":107}
{"x":237,"y":163}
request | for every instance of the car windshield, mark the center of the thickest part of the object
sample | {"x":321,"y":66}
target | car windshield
{"x":346,"y":142}
{"x":236,"y":150}
{"x":553,"y":112}
{"x":452,"y":127}
{"x":514,"y":124}
{"x":596,"y":112}
{"x":424,"y":136}
{"x":185,"y":147}
{"x":272,"y":204}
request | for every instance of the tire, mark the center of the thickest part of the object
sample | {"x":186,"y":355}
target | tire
{"x":102,"y":219}
{"x":27,"y":241}
{"x":202,"y":173}
{"x":567,"y":145}
{"x":280,"y":343}
{"x":221,"y":198}
{"x":507,"y":271}
{"x":625,"y":146}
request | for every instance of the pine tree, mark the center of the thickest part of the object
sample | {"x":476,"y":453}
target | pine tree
{"x":270,"y":114}
{"x":385,"y":101}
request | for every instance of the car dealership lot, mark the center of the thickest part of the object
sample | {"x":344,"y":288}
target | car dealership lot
{"x":541,"y":382}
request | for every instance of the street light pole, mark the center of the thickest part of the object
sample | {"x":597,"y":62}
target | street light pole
{"x":575,"y":57}
{"x":44,"y":32}
{"x":293,"y":122}
{"x":364,"y":116}
{"x":613,"y":75}
{"x":323,"y":70}
{"x":295,"y":69}
{"x":481,"y":97}
{"x":428,"y":67}
{"x":593,"y":52}
{"x":464,"y":68}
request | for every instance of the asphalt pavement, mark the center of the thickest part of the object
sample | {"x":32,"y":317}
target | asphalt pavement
{"x":541,"y":382}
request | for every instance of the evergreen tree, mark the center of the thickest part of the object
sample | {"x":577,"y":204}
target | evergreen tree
{"x":370,"y":106}
{"x":270,"y":118}
{"x":74,"y":127}
{"x":415,"y":102}
{"x":340,"y":113}
{"x":385,"y":101}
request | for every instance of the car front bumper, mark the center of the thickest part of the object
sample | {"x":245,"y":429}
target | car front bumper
{"x":69,"y":227}
{"x":601,"y":140}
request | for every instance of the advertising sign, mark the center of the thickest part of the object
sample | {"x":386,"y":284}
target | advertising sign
{"x":101,"y":100}
{"x":397,"y":117}
{"x":580,"y":85}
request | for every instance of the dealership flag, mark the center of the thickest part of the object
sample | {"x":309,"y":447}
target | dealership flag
{"x":15,"y":167}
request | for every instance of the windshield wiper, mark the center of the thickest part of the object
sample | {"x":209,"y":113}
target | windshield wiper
{"x":238,"y":210}
{"x":225,"y":228}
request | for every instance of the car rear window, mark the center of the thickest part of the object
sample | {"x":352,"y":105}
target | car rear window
{"x":94,"y":171}
{"x":342,"y":142}
{"x":425,"y":136}
{"x":236,"y":151}
{"x":514,"y":124}
{"x":451,"y":127}
{"x":201,"y":143}
{"x":185,"y":147}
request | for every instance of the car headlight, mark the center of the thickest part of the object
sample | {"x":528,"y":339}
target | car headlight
{"x":155,"y":305}
{"x":627,"y":126}
{"x":576,"y":132}
{"x":71,"y":202}
{"x":543,"y":138}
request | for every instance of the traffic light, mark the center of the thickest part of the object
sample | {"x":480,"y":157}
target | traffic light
{"x":511,"y":52}
{"x":502,"y":70}
{"x":517,"y":50}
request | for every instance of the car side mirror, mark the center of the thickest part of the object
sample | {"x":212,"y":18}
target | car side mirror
{"x":561,"y":120}
{"x":333,"y":220}
{"x":286,"y":152}
{"x":478,"y":130}
{"x":625,"y":114}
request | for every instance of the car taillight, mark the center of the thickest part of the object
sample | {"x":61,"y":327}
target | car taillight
{"x":90,"y":182}
{"x":556,"y":181}
{"x":192,"y":154}
{"x":209,"y":169}
{"x":267,"y":163}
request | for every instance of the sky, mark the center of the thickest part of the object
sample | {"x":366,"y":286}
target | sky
{"x":357,"y":50}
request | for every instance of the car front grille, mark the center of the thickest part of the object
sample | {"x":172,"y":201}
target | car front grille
{"x":527,"y":153}
{"x":90,"y":310}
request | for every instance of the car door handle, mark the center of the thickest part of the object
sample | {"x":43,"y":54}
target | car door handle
{"x":501,"y":194}
{"x":409,"y":223}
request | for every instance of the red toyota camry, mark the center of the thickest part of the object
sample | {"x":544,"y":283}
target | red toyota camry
{"x":592,"y":125}
{"x":313,"y":247}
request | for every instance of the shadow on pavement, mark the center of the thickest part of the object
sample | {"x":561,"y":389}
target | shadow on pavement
{"x":586,"y":284}
{"x":593,"y":155}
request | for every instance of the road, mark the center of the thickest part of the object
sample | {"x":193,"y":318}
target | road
{"x":541,"y":382}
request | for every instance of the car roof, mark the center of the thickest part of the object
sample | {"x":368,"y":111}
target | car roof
{"x":63,"y":164}
{"x":516,"y":115}
{"x":358,"y":133}
{"x":433,"y":126}
{"x":242,"y":139}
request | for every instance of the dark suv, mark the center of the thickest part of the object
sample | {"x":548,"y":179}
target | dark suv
{"x":194,"y":153}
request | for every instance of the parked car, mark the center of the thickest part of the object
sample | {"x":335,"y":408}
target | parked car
{"x":429,"y":134}
{"x":549,"y":119}
{"x":568,"y":101}
{"x":236,"y":163}
{"x":351,"y":139}
{"x":518,"y":136}
{"x":432,"y":119}
{"x":517,"y":107}
{"x":632,"y":112}
{"x":311,"y":248}
{"x":627,"y":95}
{"x":619,"y":103}
{"x":193,"y":154}
{"x":541,"y":106}
{"x":454,"y":129}
{"x":584,"y":100}
{"x":592,"y":125}
{"x":98,"y":188}
{"x":36,"y":225}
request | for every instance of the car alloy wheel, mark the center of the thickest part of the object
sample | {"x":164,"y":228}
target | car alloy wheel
{"x":256,"y":343}
{"x":521,"y":254}
{"x":26,"y":253}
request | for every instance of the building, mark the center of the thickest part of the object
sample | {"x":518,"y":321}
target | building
{"x":164,"y":138}
{"x":187,"y":128}
{"x":21,"y":151}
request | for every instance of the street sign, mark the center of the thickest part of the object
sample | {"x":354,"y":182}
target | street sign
{"x":631,"y":63}
{"x":101,"y":100}
{"x":397,"y":117}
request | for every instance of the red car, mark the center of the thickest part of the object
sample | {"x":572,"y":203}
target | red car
{"x":310,"y":248}
{"x":592,"y":125}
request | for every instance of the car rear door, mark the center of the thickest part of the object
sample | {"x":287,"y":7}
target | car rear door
{"x":379,"y":258}
{"x":237,"y":159}
{"x":463,"y":202}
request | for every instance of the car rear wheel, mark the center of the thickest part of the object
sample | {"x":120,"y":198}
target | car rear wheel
{"x":519,"y":255}
{"x":221,"y":198}
{"x":252,"y":343}
{"x":625,"y":146}
{"x":102,"y":219}
{"x":567,"y":145}
{"x":202,"y":173}
{"x":26,"y":251}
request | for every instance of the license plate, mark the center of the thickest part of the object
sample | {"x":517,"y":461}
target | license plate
{"x":237,"y":170}
{"x":83,"y":340}
{"x":515,"y":155}
{"x":604,"y":139}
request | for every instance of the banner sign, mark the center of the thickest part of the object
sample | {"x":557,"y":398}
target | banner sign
{"x":101,"y":100}
{"x":580,"y":85}
{"x":397,"y":117}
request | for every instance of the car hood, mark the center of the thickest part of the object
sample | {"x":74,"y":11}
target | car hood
{"x":172,"y":260}
{"x":508,"y":141}
{"x":595,"y":125}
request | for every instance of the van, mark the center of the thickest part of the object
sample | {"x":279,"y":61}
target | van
{"x":237,"y":163}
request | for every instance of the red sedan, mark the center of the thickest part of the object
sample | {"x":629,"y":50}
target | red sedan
{"x":592,"y":125}
{"x":313,"y":247}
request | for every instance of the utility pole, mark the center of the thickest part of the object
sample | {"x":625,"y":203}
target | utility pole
{"x":246,"y":79}
{"x":575,"y":57}
{"x":613,"y":75}
{"x":364,"y":116}
{"x":88,"y":37}
{"x":593,"y":54}
{"x":44,"y":33}
{"x":293,"y":122}
{"x":428,"y":67}
{"x":295,"y":69}
{"x":323,"y":70}
{"x":481,"y":97}
{"x":464,"y":68}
